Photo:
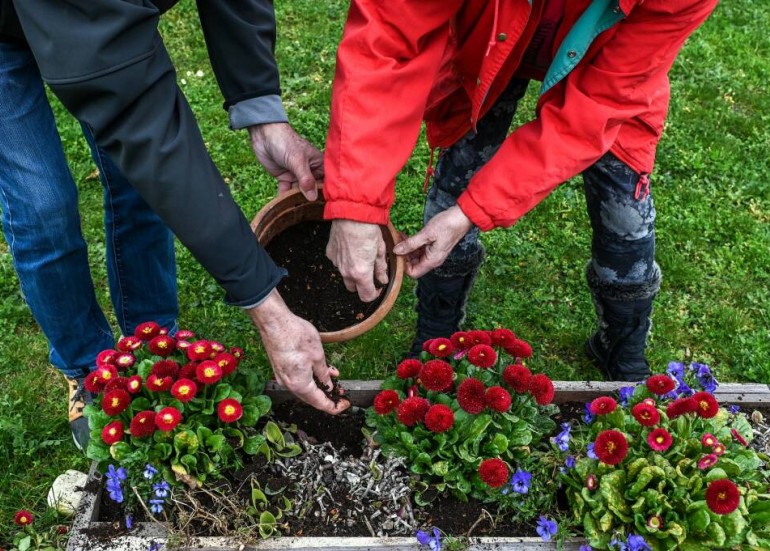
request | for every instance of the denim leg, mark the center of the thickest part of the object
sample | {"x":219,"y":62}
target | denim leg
{"x":141,"y":266}
{"x":623,"y":244}
{"x":457,"y":165}
{"x":41,"y":221}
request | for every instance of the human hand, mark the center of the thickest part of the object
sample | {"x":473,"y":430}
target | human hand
{"x":295,"y":352}
{"x":358,"y":251}
{"x":289,"y":157}
{"x":429,"y":247}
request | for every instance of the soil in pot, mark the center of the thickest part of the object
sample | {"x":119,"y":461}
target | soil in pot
{"x":314,"y":289}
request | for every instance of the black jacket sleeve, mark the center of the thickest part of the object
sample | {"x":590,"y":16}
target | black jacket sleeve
{"x":106,"y":62}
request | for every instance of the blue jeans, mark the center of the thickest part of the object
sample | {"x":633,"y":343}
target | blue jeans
{"x":40,"y":218}
{"x":623,"y":221}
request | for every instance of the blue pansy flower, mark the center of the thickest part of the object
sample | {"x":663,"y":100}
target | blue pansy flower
{"x":520,"y":481}
{"x":149,"y":471}
{"x":561,"y":440}
{"x":588,"y":417}
{"x":625,"y":395}
{"x":546,"y":528}
{"x":434,"y":541}
{"x":638,"y":543}
{"x":590,"y":451}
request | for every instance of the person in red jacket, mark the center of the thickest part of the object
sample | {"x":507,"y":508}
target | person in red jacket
{"x":462,"y":66}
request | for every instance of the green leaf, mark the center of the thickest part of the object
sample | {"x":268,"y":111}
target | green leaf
{"x":97,"y":450}
{"x":291,"y":450}
{"x":715,"y":473}
{"x":186,"y":441}
{"x":717,"y":535}
{"x":189,"y":461}
{"x":250,"y":416}
{"x":264,"y":404}
{"x":119,"y":451}
{"x":144,"y":368}
{"x":407,"y":439}
{"x":266,"y":524}
{"x":273,"y":434}
{"x":221,"y":391}
{"x":733,"y":524}
{"x":25,"y":543}
{"x":611,"y":489}
{"x":258,"y":497}
{"x":441,"y":468}
{"x":252,"y":444}
{"x":215,"y":442}
{"x":698,"y":520}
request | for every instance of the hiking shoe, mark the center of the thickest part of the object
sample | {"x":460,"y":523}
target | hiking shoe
{"x":79,"y":397}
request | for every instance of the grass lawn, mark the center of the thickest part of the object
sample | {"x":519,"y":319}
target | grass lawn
{"x":713,"y":231}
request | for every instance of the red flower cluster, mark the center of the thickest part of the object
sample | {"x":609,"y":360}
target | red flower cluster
{"x":208,"y":372}
{"x":115,"y":402}
{"x":502,"y":337}
{"x":436,"y":375}
{"x":441,"y":348}
{"x":517,"y":377}
{"x":645,"y":414}
{"x":162,"y":345}
{"x":168,"y":418}
{"x":226,"y":362}
{"x":386,"y":401}
{"x":412,"y":410}
{"x":611,"y":446}
{"x":184,"y":390}
{"x":460,"y":340}
{"x":479,"y":337}
{"x":681,"y":406}
{"x":498,"y":399}
{"x":541,"y":388}
{"x":482,"y":355}
{"x":660,"y":384}
{"x":471,"y":395}
{"x":143,"y":424}
{"x":408,"y":368}
{"x":147,"y":331}
{"x":722,"y":496}
{"x":519,"y":349}
{"x":708,"y":406}
{"x":229,"y":410}
{"x":113,"y":432}
{"x":439,"y":418}
{"x":23,"y":518}
{"x":660,"y":439}
{"x":493,"y":472}
{"x":603,"y":405}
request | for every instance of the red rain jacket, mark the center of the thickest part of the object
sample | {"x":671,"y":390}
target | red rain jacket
{"x":446,"y":62}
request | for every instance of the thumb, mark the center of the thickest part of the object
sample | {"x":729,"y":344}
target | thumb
{"x":381,"y":264}
{"x":411,"y":244}
{"x":299,"y":166}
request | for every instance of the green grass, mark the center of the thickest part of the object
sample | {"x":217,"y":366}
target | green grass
{"x":710,"y":186}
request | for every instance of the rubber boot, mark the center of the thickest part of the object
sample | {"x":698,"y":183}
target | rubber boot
{"x":617,"y":348}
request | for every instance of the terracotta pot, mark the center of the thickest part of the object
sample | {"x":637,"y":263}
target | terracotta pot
{"x":292,"y":208}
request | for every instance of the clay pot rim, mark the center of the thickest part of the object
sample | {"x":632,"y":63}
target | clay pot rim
{"x":396,"y":273}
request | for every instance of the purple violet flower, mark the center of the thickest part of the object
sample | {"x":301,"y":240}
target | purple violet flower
{"x":734,"y":409}
{"x":588,"y":417}
{"x":706,"y":378}
{"x":638,"y":543}
{"x":520,"y":481}
{"x":625,"y":395}
{"x":546,"y":528}
{"x":561,"y":440}
{"x":590,"y":451}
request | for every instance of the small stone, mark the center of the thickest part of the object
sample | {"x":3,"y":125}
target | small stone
{"x":67,"y":491}
{"x":387,"y":525}
{"x":329,"y":458}
{"x":354,"y":479}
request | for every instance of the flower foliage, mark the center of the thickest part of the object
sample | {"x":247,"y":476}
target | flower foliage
{"x":665,"y":470}
{"x":466,"y":420}
{"x":178,"y":404}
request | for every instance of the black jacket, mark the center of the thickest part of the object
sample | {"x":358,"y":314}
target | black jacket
{"x":10,"y":28}
{"x":108,"y":65}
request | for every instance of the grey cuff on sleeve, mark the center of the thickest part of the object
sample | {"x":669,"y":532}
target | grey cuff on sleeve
{"x":260,"y":110}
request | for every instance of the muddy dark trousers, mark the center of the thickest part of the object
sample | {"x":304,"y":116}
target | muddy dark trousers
{"x":622,"y":274}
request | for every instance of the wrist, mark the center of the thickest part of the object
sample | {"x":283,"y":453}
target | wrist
{"x":270,"y":313}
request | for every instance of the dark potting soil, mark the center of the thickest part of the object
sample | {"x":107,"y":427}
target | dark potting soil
{"x":343,"y":431}
{"x":314,"y":289}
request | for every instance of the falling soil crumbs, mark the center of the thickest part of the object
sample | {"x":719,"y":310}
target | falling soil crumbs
{"x":314,"y":289}
{"x":341,"y":486}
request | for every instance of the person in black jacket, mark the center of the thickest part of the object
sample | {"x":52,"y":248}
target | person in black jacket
{"x":106,"y":62}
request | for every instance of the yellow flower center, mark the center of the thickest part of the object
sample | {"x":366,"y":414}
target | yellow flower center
{"x":441,"y":347}
{"x":223,"y":363}
{"x":229,"y":410}
{"x":722,"y":496}
{"x":660,"y":439}
{"x":113,"y":431}
{"x":162,"y":344}
{"x":106,"y":375}
{"x":209,"y":372}
{"x":115,"y":402}
{"x":168,"y":418}
{"x":147,"y":330}
{"x":200,"y":349}
{"x":184,"y":390}
{"x":611,"y":447}
{"x":23,"y":519}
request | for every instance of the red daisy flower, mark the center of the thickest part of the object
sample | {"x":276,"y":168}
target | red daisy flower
{"x":611,"y":446}
{"x":482,"y":355}
{"x":493,"y":472}
{"x":200,"y":350}
{"x":112,"y":432}
{"x":94,"y":383}
{"x":129,"y":343}
{"x":541,"y":388}
{"x":738,"y":437}
{"x":412,"y":410}
{"x":183,"y":346}
{"x":655,"y":522}
{"x":649,"y":402}
{"x":502,"y":337}
{"x":517,"y":377}
{"x":162,"y":345}
{"x":408,"y":368}
{"x":134,"y":384}
{"x":106,"y":357}
{"x":188,"y":370}
{"x":471,"y":395}
{"x":708,"y":460}
{"x":722,"y":496}
{"x":229,"y":410}
{"x":592,"y":482}
{"x":227,"y":362}
{"x":143,"y":424}
{"x":184,"y":334}
{"x":184,"y":390}
{"x":165,"y":368}
{"x":498,"y":399}
{"x":681,"y":406}
{"x":460,"y":340}
{"x":208,"y":372}
{"x":439,"y":418}
{"x":660,"y":439}
{"x":237,"y":352}
{"x":147,"y":330}
{"x":115,"y":402}
{"x":708,"y":406}
{"x":117,"y":382}
{"x":159,"y":384}
{"x":436,"y":375}
{"x":645,"y":414}
{"x":709,"y":440}
{"x":519,"y":349}
{"x":719,"y":449}
{"x":603,"y":405}
{"x":661,"y":384}
{"x":124,"y":360}
{"x":426,"y":345}
{"x":168,"y":418}
{"x":23,"y":518}
{"x":105,"y":373}
{"x":386,"y":401}
{"x":478,"y":337}
{"x":216,"y":348}
{"x":441,"y":348}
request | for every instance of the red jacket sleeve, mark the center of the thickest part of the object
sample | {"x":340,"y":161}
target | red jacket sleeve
{"x":386,"y":64}
{"x":581,"y":119}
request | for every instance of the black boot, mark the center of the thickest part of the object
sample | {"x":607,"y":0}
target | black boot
{"x":617,"y":348}
{"x":440,"y":307}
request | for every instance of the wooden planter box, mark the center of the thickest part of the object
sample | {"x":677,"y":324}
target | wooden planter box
{"x":360,"y":393}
